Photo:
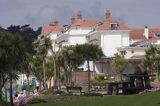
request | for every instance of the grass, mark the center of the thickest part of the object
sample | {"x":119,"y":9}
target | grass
{"x":152,"y":99}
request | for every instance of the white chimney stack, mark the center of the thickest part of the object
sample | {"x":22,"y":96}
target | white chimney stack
{"x":146,"y":32}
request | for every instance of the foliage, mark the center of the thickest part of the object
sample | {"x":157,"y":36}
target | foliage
{"x":151,"y":61}
{"x":12,"y":55}
{"x":89,"y":52}
{"x":101,"y":78}
{"x":69,"y":59}
{"x":119,"y":64}
{"x":29,"y":99}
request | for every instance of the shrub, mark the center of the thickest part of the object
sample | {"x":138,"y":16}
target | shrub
{"x":30,"y":99}
{"x":101,"y":78}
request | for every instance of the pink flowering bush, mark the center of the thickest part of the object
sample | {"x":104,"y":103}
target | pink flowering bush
{"x":156,"y":89}
{"x":28,"y":100}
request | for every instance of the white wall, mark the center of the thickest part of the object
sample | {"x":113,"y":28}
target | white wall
{"x":53,"y":36}
{"x":125,"y":40}
{"x":110,"y":43}
{"x":79,"y":31}
{"x":106,"y":68}
{"x":76,"y":39}
{"x":85,"y":66}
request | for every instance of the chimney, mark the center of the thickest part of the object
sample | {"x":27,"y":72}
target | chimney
{"x":108,"y":14}
{"x":56,"y":22}
{"x":73,"y":19}
{"x":146,"y":32}
{"x":79,"y":15}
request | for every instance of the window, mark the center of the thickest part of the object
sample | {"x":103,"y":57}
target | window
{"x":123,"y":52}
{"x":114,"y":26}
{"x":132,"y":51}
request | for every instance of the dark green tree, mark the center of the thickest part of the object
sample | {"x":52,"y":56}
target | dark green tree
{"x":89,"y":52}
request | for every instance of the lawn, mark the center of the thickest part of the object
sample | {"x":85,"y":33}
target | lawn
{"x":152,"y":99}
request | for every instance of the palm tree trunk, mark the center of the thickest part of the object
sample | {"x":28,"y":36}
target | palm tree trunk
{"x":11,"y":92}
{"x":54,"y":64}
{"x":40,"y":85}
{"x":121,"y":76}
{"x":0,"y":89}
{"x":28,"y":87}
{"x":44,"y":75}
{"x":0,"y":93}
{"x":157,"y":76}
{"x":55,"y":74}
{"x":59,"y":86}
{"x":75,"y":76}
{"x":50,"y":82}
{"x":89,"y":84}
{"x":71,"y":72}
{"x":94,"y":71}
{"x":66,"y":77}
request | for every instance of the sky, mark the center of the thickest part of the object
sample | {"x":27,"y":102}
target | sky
{"x":135,"y":13}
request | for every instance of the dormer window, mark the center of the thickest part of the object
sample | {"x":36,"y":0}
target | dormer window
{"x":114,"y":26}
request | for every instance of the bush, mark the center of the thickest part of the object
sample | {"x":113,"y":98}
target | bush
{"x":30,"y":99}
{"x":101,"y":78}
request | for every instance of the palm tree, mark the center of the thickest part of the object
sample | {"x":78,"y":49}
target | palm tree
{"x":48,"y":43}
{"x":37,"y":68}
{"x":119,"y":64}
{"x":16,"y":54}
{"x":12,"y":53}
{"x":89,"y":52}
{"x":61,"y":62}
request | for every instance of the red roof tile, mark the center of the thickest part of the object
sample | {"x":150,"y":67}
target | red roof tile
{"x":53,"y":27}
{"x":106,"y":25}
{"x":107,"y":22}
{"x":138,"y":33}
{"x":79,"y":21}
{"x":145,"y":41}
{"x":84,"y":23}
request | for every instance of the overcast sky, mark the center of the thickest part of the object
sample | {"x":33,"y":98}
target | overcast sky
{"x":135,"y":13}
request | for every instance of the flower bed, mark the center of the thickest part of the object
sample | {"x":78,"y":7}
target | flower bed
{"x":29,"y":99}
{"x":156,"y":89}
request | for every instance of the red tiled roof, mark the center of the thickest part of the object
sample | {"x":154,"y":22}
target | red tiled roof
{"x":107,"y":22}
{"x":146,"y":41}
{"x":79,"y":21}
{"x":137,"y":34}
{"x":84,"y":23}
{"x":53,"y":27}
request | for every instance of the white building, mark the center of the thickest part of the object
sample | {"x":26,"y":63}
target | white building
{"x":52,"y":31}
{"x":109,"y":34}
{"x":141,"y":34}
{"x":76,"y":32}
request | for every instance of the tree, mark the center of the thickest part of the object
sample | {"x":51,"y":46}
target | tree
{"x":12,"y":54}
{"x":89,"y":52}
{"x":151,"y":61}
{"x":48,"y":43}
{"x":69,"y":59}
{"x":119,"y":64}
{"x":37,"y":68}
